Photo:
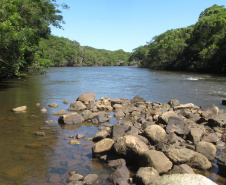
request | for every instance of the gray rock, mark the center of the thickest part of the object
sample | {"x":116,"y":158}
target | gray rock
{"x":138,"y":99}
{"x":102,"y":147}
{"x":19,"y":109}
{"x":181,"y":169}
{"x":120,"y":176}
{"x":87,"y":115}
{"x":60,"y":112}
{"x":196,"y":133}
{"x":155,"y":133}
{"x":54,"y":105}
{"x":183,"y":179}
{"x":118,"y":130}
{"x":210,"y":109}
{"x":80,"y":136}
{"x":77,"y":106}
{"x":43,"y":110}
{"x":119,"y":113}
{"x":186,"y":106}
{"x":75,"y":177}
{"x":116,"y":163}
{"x":145,"y":175}
{"x":65,"y":102}
{"x":86,"y":98}
{"x":101,"y":135}
{"x":207,"y":149}
{"x":90,"y":179}
{"x":174,"y":102}
{"x":71,"y":118}
{"x":211,"y":138}
{"x":130,"y":147}
{"x":165,"y":117}
{"x":177,"y":125}
{"x":157,"y":160}
{"x":39,"y":133}
{"x":217,"y":121}
{"x":190,"y":157}
{"x":100,"y":119}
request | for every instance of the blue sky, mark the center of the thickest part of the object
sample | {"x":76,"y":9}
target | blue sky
{"x":126,"y":24}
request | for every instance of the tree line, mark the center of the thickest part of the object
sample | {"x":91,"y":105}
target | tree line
{"x":27,"y":46}
{"x":200,"y":47}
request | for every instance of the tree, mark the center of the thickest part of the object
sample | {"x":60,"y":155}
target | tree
{"x":22,"y":24}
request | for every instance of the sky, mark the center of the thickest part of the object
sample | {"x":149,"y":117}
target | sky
{"x":126,"y":24}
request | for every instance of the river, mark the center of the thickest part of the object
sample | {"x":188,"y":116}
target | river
{"x":29,"y":159}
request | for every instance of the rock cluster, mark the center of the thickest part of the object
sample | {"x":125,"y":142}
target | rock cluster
{"x":169,"y":138}
{"x":164,"y":140}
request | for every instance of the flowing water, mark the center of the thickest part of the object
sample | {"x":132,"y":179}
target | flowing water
{"x":29,"y":159}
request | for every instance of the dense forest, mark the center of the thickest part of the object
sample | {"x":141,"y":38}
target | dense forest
{"x":200,"y":47}
{"x":27,"y":46}
{"x":64,"y":52}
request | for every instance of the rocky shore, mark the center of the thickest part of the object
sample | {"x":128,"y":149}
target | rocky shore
{"x":162,"y":142}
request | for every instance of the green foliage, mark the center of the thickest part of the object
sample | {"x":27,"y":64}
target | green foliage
{"x":200,"y":47}
{"x":64,"y":52}
{"x":22,"y":24}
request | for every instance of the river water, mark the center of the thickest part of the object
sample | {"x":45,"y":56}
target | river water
{"x":29,"y":159}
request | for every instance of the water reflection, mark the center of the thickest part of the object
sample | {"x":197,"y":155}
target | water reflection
{"x":29,"y":159}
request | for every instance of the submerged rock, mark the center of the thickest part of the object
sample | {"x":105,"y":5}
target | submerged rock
{"x":19,"y":109}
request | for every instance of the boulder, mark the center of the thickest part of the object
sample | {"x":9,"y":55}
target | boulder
{"x":138,"y":99}
{"x":217,"y":121}
{"x":190,"y":157}
{"x":100,"y":135}
{"x":91,"y":105}
{"x":128,"y":108}
{"x":210,"y":109}
{"x":118,"y":130}
{"x":71,"y":118}
{"x":119,"y":113}
{"x":43,"y":110}
{"x":65,"y":102}
{"x":60,"y":112}
{"x":74,"y":142}
{"x":130,"y":146}
{"x":196,"y":133}
{"x":183,"y":179}
{"x":75,"y":177}
{"x":174,"y":102}
{"x":181,"y":169}
{"x":207,"y":149}
{"x":54,"y":105}
{"x":165,"y":117}
{"x":120,"y":176}
{"x":87,"y":115}
{"x":39,"y":133}
{"x":116,"y":163}
{"x":77,"y":106}
{"x":90,"y":179}
{"x":19,"y":109}
{"x":211,"y":138}
{"x":102,"y":147}
{"x":155,"y":133}
{"x":171,"y":141}
{"x":155,"y":159}
{"x":80,"y":136}
{"x":99,"y":119}
{"x":186,"y":106}
{"x":86,"y":98}
{"x":177,"y":125}
{"x":145,"y":175}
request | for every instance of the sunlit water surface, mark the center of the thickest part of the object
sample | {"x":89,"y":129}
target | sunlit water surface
{"x":29,"y":159}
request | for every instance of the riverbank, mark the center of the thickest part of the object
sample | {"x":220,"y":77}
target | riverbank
{"x":154,"y":140}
